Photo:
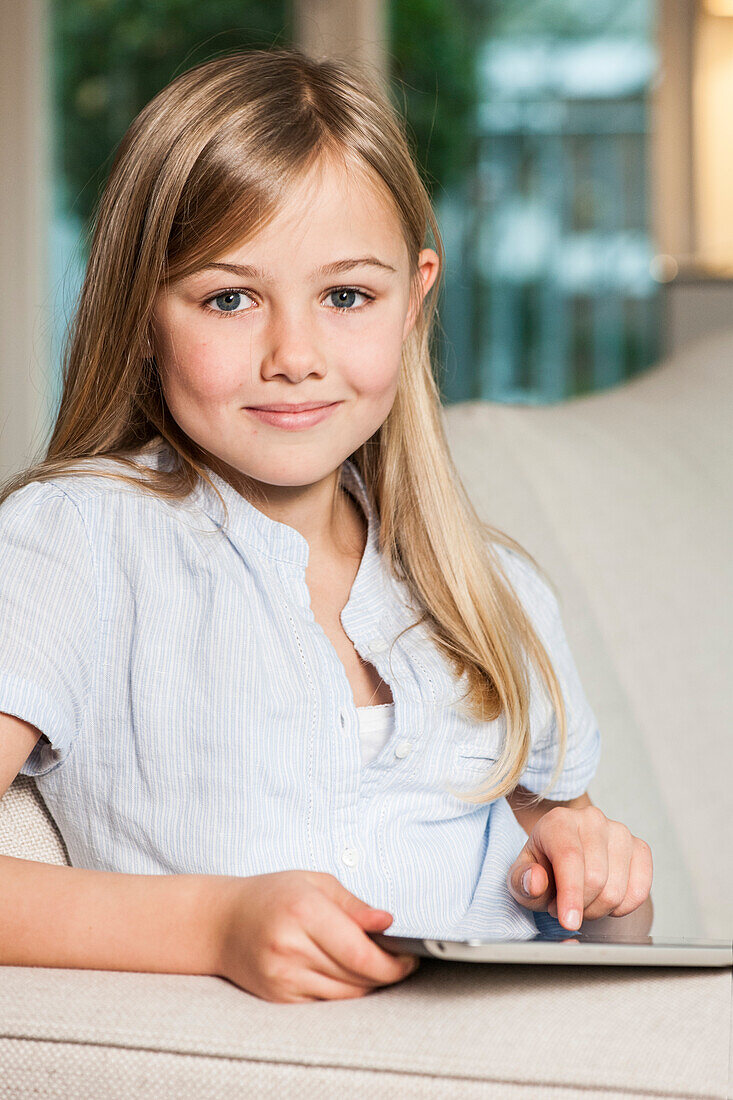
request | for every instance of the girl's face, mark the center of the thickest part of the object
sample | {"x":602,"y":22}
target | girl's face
{"x":283,"y":332}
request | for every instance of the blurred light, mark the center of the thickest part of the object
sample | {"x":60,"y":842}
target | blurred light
{"x":663,"y":268}
{"x":712,"y":152}
{"x":718,"y":7}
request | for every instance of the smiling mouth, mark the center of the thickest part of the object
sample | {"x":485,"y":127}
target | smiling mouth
{"x":294,"y":418}
{"x":292,"y":408}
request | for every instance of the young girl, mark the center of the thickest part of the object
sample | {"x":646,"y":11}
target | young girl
{"x":266,"y":659}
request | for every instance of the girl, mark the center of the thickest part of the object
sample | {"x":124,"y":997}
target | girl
{"x":265,"y":657}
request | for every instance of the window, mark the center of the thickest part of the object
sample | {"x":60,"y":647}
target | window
{"x":532,"y":125}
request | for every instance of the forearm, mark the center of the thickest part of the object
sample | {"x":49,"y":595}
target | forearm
{"x":529,"y":815}
{"x":59,"y":916}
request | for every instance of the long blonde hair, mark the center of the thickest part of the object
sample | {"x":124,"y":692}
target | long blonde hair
{"x":202,"y":166}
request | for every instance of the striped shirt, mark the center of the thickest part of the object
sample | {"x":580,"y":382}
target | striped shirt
{"x":197,"y":719}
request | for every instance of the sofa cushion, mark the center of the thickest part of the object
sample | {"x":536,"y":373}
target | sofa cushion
{"x":624,"y":497}
{"x":27,"y":829}
{"x":447,"y":1031}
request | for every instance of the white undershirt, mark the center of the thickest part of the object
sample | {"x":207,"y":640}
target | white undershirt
{"x":376,"y":724}
{"x":375,"y":728}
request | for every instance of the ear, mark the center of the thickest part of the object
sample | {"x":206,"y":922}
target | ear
{"x":428,"y":268}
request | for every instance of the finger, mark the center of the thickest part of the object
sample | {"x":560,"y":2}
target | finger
{"x":600,"y":903}
{"x":317,"y":980}
{"x":352,"y":910}
{"x":596,"y":837}
{"x":568,"y":865}
{"x":315,"y":974}
{"x":537,"y":880}
{"x":533,"y":863}
{"x":310,"y":978}
{"x":346,"y":953}
{"x":641,"y":873}
{"x":607,"y":853}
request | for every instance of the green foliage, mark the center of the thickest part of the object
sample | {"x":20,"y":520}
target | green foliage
{"x":432,"y":60}
{"x":112,"y":56}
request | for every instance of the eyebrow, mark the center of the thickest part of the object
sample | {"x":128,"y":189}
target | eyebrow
{"x":246,"y":271}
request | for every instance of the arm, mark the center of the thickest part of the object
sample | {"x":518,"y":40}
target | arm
{"x":53,"y":915}
{"x":58,"y":916}
{"x":528,"y":816}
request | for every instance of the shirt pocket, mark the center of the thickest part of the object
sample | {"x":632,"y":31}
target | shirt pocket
{"x":470,"y":769}
{"x":474,"y":750}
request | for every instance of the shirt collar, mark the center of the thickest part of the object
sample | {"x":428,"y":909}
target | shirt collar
{"x":256,"y":535}
{"x":268,"y":536}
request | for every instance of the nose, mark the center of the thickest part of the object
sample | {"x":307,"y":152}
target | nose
{"x":291,"y":346}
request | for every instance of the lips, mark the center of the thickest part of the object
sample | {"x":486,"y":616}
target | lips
{"x":293,"y":418}
{"x":292,"y":408}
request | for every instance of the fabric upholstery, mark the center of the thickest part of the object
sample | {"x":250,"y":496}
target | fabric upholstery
{"x":449,"y":1030}
{"x":624,"y":497}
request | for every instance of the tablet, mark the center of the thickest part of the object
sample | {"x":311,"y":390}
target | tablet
{"x":581,"y":948}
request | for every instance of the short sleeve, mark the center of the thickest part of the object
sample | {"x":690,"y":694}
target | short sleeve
{"x":48,"y":611}
{"x":583,"y":749}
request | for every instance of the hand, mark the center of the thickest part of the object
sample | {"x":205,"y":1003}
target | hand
{"x":296,"y":936}
{"x":580,"y":860}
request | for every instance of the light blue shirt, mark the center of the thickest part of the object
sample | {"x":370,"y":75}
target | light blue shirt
{"x":197,"y":719}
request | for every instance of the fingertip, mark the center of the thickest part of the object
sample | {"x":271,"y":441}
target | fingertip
{"x":380,"y":914}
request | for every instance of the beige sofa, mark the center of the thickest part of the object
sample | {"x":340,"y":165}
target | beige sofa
{"x":625,"y":497}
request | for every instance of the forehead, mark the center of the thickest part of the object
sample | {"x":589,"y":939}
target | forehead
{"x":333,"y":206}
{"x":349,"y":177}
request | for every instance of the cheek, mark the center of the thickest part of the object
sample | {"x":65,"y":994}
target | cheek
{"x":375,"y":371}
{"x":201,"y":374}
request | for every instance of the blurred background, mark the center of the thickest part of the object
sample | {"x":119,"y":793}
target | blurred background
{"x":576,"y":154}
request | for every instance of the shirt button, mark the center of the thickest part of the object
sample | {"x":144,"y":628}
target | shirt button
{"x":378,"y":645}
{"x":342,"y":719}
{"x":403,"y":749}
{"x":349,"y":856}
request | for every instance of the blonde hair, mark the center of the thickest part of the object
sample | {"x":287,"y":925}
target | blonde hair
{"x":204,"y":165}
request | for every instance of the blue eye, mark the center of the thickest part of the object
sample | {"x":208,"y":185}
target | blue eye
{"x":227,"y":294}
{"x":229,"y":302}
{"x":348,"y":291}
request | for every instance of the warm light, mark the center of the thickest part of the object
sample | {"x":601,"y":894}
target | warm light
{"x":718,"y":7}
{"x":712,"y":153}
